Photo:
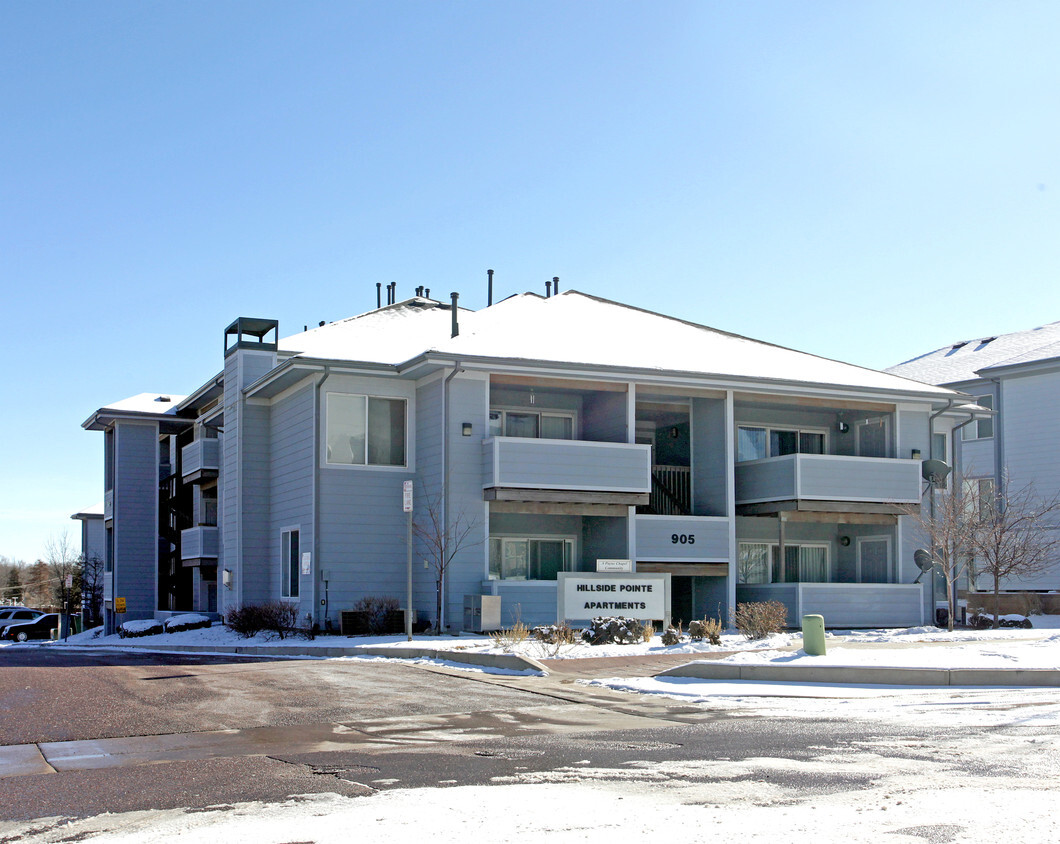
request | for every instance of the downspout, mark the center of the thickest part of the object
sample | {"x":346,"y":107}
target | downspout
{"x":457,"y":369}
{"x":999,"y":441}
{"x":316,"y":500}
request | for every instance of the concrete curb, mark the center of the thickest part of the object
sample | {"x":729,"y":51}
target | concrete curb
{"x":868,"y":675}
{"x":507,"y":662}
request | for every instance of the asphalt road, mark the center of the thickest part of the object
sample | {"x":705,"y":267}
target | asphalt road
{"x":120,"y":732}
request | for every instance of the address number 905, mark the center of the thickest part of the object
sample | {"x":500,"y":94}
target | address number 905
{"x":683,"y":538}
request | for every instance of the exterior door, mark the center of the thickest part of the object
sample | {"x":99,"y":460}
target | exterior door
{"x":874,"y":559}
{"x":872,"y":438}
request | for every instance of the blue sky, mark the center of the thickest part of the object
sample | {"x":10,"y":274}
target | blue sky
{"x":865,"y":181}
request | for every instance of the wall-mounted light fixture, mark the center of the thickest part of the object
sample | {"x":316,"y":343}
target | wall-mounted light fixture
{"x":842,"y":427}
{"x":465,"y":429}
{"x":226,"y":578}
{"x":844,"y":541}
{"x":916,"y":454}
{"x":675,"y":432}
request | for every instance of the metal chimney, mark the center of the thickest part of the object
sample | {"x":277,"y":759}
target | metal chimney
{"x":379,"y":294}
{"x":456,"y":326}
{"x":548,"y":289}
{"x":489,"y":293}
{"x":555,"y":284}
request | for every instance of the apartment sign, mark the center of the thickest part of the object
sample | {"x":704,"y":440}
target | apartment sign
{"x":585,"y":595}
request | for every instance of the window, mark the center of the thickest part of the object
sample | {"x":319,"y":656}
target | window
{"x":289,"y":564}
{"x":981,"y":429}
{"x":978,"y":492}
{"x":940,"y":447}
{"x":549,"y":425}
{"x":756,"y":443}
{"x":529,"y":558}
{"x":759,"y":562}
{"x":365,"y":430}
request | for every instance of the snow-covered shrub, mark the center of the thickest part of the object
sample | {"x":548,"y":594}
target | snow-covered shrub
{"x":378,"y":613}
{"x":985,"y":621}
{"x":708,"y":628}
{"x":141,"y":627}
{"x":605,"y":630}
{"x":761,"y":619}
{"x":555,"y":634}
{"x":672,"y":636}
{"x":187,"y":621}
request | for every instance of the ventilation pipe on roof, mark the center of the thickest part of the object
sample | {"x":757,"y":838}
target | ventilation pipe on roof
{"x":456,"y":326}
{"x":379,"y":294}
{"x":555,"y":284}
{"x":548,"y":289}
{"x":489,"y":288}
{"x":426,"y":293}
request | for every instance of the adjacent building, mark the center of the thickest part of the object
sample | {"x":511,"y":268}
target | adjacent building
{"x":553,"y":431}
{"x":1018,"y":376}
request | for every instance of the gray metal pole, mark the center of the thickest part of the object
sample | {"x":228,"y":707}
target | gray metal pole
{"x":408,"y":598}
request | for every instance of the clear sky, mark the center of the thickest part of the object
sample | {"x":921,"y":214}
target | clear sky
{"x":865,"y":181}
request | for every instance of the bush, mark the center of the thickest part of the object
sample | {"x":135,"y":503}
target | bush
{"x":378,"y":613}
{"x":514,"y":635}
{"x":612,"y":631}
{"x":759,"y":620}
{"x":708,"y":628}
{"x":555,"y":634}
{"x":141,"y":627}
{"x":187,"y":621}
{"x":647,"y":631}
{"x":279,"y":617}
{"x":672,"y":635}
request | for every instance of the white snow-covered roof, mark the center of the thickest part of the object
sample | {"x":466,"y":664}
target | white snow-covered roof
{"x":153,"y":403}
{"x":575,"y":328}
{"x":95,"y":511}
{"x":962,"y":361}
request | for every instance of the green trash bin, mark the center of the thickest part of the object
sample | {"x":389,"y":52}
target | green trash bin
{"x":78,"y":621}
{"x":813,"y":635}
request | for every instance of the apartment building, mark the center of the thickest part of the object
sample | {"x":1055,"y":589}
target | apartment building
{"x":559,"y":430}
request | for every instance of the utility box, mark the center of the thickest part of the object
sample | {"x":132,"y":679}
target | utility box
{"x":482,"y":613}
{"x":813,"y":635}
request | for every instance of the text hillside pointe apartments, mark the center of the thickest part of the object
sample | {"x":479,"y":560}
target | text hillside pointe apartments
{"x":562,"y":429}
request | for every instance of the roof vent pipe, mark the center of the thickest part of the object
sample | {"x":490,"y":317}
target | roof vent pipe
{"x":456,"y":327}
{"x":548,"y":289}
{"x":555,"y":284}
{"x":489,"y":289}
{"x":427,"y":293}
{"x":379,"y":294}
{"x":393,"y":292}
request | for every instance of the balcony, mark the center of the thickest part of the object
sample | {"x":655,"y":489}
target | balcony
{"x":200,"y":460}
{"x":108,"y":504}
{"x":199,"y":543}
{"x":683,"y":544}
{"x":827,"y":482}
{"x":518,"y":468}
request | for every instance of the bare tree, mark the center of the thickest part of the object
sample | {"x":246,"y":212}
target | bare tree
{"x":1015,"y":533}
{"x":949,"y":525}
{"x":64,"y":563}
{"x":440,"y":543}
{"x":90,"y":584}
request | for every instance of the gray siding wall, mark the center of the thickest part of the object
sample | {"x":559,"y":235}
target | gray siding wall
{"x":530,"y":602}
{"x":655,"y":539}
{"x":428,"y":481}
{"x":604,"y":538}
{"x":136,"y":517}
{"x":259,"y":582}
{"x":709,"y":457}
{"x":844,"y":606}
{"x":292,"y":450}
{"x":605,"y":418}
{"x":913,"y":433}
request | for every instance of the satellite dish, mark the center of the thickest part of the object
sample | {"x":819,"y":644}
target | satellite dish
{"x":935,"y":471}
{"x":923,"y":562}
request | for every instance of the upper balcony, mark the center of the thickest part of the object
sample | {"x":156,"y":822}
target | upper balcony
{"x":827,"y":482}
{"x":200,"y":460}
{"x":525,"y":469}
{"x":199,"y":543}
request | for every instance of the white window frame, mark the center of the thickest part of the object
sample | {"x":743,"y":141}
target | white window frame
{"x":986,"y":401}
{"x":946,"y":447}
{"x":366,"y":465}
{"x":532,"y":537}
{"x":770,"y":428}
{"x":504,"y":410}
{"x":774,"y":549}
{"x":286,"y":563}
{"x":891,"y":574}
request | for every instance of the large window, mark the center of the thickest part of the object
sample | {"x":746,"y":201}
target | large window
{"x":289,"y":563}
{"x":546,"y":424}
{"x":981,"y":429}
{"x":759,"y":562}
{"x":755,"y":443}
{"x":530,"y":558}
{"x":365,"y":430}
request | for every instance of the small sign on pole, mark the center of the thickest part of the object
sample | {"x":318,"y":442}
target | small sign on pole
{"x":119,"y":605}
{"x":406,"y":505}
{"x":69,"y":581}
{"x":406,"y":497}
